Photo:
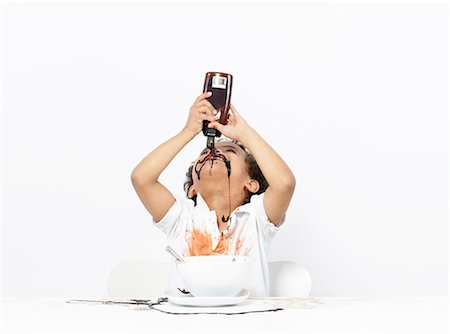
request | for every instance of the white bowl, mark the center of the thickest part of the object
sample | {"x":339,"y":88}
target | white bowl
{"x":215,"y":275}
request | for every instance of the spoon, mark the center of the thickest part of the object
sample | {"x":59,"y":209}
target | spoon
{"x":174,"y":254}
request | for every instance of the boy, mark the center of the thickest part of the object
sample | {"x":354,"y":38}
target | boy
{"x":236,"y":200}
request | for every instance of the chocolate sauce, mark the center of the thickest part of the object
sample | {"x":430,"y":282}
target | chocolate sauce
{"x":212,"y":156}
{"x":227,"y":163}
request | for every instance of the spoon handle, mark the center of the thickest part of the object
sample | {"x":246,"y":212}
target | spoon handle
{"x":174,"y":254}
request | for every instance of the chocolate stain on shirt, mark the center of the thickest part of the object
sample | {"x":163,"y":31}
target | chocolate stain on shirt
{"x":201,"y":243}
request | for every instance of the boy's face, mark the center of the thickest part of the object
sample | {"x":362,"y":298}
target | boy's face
{"x":210,"y":171}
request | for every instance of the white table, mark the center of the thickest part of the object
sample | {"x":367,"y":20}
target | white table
{"x":427,"y":315}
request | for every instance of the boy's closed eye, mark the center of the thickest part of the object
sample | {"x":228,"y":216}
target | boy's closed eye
{"x":228,"y":148}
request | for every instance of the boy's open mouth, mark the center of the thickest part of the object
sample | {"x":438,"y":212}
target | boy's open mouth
{"x":212,"y":157}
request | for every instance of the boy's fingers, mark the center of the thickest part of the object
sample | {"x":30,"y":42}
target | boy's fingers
{"x":203,"y":96}
{"x":209,"y":118}
{"x":233,"y":109}
{"x":216,"y":125}
{"x":206,"y":114}
{"x":207,"y":104}
{"x":205,"y":110}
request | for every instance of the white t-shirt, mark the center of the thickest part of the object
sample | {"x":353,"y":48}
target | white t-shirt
{"x":249,"y":233}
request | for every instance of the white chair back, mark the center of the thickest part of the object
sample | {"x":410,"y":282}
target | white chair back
{"x":137,"y":279}
{"x":289,"y":279}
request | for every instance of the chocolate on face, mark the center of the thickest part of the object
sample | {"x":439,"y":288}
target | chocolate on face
{"x":213,"y":156}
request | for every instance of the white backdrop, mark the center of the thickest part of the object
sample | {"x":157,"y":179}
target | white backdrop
{"x":353,"y":95}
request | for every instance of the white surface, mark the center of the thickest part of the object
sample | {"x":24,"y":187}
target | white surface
{"x":189,"y":300}
{"x":332,"y":314}
{"x":353,"y":95}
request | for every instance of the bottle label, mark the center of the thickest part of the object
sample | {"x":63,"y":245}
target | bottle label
{"x":219,"y":82}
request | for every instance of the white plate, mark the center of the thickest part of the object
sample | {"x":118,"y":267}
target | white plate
{"x":189,"y":300}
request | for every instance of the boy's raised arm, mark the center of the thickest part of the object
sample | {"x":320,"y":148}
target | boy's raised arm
{"x":156,"y":198}
{"x":277,"y":173}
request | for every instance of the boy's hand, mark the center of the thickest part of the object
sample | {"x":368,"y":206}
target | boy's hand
{"x":236,"y":125}
{"x":201,"y":110}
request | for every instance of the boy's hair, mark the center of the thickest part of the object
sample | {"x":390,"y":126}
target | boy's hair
{"x":252,"y":168}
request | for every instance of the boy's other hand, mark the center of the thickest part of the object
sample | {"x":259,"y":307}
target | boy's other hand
{"x":201,"y":110}
{"x":235,"y":127}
